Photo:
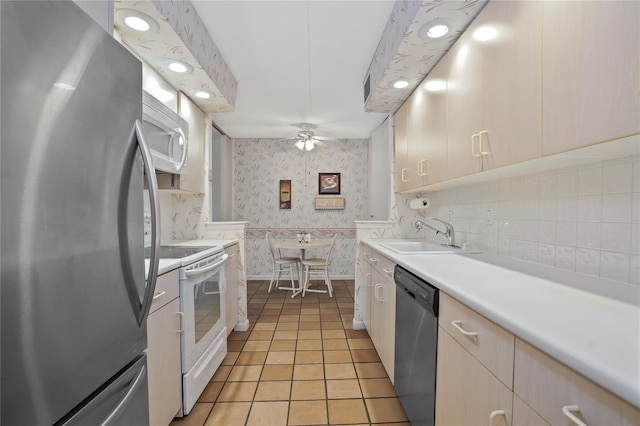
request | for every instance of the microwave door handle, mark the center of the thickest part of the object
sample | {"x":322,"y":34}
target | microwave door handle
{"x":183,"y":160}
{"x":198,"y":271}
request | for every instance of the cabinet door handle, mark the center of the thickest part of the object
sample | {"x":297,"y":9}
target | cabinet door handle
{"x":373,"y":260}
{"x":389,"y":271}
{"x":458,"y":325}
{"x":494,"y":414}
{"x":568,"y":411}
{"x":378,"y":298}
{"x":181,"y":315}
{"x":159,"y":295}
{"x":473,"y":145}
{"x":402,"y":177}
{"x":484,"y":132}
{"x":421,"y":171}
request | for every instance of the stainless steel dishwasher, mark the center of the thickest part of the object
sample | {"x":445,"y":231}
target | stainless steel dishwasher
{"x":416,"y":346}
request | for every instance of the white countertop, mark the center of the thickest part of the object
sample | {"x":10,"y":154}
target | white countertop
{"x":563,"y":313}
{"x":167,"y":265}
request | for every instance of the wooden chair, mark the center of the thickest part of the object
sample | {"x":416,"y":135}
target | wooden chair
{"x":283,"y":264}
{"x":319,"y":266}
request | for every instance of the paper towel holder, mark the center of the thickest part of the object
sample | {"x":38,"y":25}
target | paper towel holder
{"x":419,"y":204}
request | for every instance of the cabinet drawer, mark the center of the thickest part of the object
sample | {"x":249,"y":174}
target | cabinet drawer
{"x":166,"y":289}
{"x":547,"y":386}
{"x":383,"y":265}
{"x":489,"y":343}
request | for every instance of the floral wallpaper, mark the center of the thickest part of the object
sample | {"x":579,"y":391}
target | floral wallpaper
{"x":259,"y":165}
{"x":181,"y":36}
{"x":402,"y":53}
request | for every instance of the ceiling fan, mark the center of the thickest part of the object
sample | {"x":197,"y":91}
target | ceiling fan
{"x":307,"y":140}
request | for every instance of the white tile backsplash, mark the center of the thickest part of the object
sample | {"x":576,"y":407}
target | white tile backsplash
{"x":590,"y":181}
{"x":584,"y":219}
{"x":617,"y":207}
{"x":617,"y":178}
{"x":567,"y":184}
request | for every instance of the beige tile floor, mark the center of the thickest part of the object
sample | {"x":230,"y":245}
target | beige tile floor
{"x":300,"y":363}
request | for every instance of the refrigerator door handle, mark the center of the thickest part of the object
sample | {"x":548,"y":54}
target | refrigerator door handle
{"x":122,"y":404}
{"x":140,"y":309}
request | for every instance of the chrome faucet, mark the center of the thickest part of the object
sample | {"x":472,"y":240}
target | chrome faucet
{"x":448,"y":235}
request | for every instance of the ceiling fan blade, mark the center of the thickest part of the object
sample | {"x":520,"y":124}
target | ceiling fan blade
{"x":319,"y":144}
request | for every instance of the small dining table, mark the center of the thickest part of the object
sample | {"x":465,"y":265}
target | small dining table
{"x":295,"y":244}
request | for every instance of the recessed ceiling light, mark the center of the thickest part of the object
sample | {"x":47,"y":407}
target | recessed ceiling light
{"x":180,"y":67}
{"x":131,"y":19}
{"x":436,"y":28}
{"x":203,"y":94}
{"x":137,"y":23}
{"x":437,"y":31}
{"x":400,"y":83}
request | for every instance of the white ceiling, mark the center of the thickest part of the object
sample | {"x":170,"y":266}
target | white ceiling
{"x":297,"y":62}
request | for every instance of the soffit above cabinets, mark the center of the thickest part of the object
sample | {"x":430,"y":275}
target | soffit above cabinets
{"x":403,"y":54}
{"x":180,"y":35}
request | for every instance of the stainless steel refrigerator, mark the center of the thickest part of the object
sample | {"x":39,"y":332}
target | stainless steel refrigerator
{"x":73,"y":171}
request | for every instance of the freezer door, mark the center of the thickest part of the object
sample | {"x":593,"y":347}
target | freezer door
{"x":70,"y":98}
{"x":123,"y":402}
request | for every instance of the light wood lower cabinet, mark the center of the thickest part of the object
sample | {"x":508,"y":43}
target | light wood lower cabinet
{"x":231,"y":275}
{"x":381,"y":310}
{"x":466,"y":391}
{"x":475,"y":368}
{"x":523,"y":415}
{"x":163,"y":352}
{"x":549,"y":387}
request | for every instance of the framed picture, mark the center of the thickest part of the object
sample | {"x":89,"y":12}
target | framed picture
{"x":328,"y":183}
{"x":285,"y":195}
{"x":325,"y":203}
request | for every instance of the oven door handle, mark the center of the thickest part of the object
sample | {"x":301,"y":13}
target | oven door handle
{"x":198,"y":271}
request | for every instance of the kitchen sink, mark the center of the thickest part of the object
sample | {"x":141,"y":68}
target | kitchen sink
{"x":423,"y":247}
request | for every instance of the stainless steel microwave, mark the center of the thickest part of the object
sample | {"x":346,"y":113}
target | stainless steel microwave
{"x":167,"y":135}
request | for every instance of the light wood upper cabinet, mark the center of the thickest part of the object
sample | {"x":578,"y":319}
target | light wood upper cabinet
{"x":194,"y":178}
{"x":429,"y":109}
{"x":495,"y":89}
{"x":404,"y":173}
{"x":591,"y":72}
{"x":421,"y":134}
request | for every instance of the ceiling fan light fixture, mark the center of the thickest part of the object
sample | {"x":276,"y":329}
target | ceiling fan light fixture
{"x":300,"y":144}
{"x":308,"y":145}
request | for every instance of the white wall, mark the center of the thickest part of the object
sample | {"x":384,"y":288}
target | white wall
{"x":584,"y":219}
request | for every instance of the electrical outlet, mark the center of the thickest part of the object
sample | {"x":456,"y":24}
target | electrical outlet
{"x":489,"y":217}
